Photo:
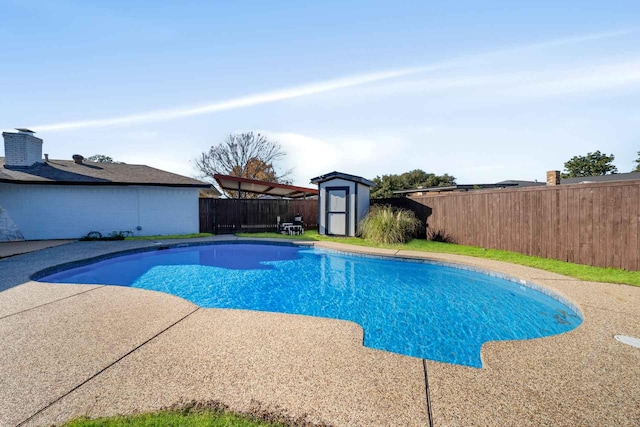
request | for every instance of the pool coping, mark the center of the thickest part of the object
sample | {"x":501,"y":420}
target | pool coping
{"x":567,"y":366}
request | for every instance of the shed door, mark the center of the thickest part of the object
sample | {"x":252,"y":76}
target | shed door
{"x":337,"y":211}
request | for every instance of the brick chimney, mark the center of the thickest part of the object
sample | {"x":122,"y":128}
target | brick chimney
{"x":21,"y":148}
{"x":553,"y":178}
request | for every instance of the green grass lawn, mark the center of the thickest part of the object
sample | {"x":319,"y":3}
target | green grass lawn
{"x":578,"y":271}
{"x":173,"y":236}
{"x":203,"y":418}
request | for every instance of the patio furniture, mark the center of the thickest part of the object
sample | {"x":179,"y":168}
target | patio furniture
{"x":291,"y":228}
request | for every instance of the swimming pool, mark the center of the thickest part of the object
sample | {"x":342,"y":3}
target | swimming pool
{"x":416,"y":308}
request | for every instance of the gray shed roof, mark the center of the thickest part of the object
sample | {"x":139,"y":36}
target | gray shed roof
{"x":341,"y":175}
{"x":68,"y":172}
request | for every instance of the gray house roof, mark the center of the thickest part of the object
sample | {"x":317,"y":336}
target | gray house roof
{"x":341,"y":175}
{"x":520,"y":183}
{"x":602,"y":178}
{"x":68,"y":172}
{"x":468,"y":187}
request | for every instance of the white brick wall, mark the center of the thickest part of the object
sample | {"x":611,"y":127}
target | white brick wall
{"x":71,"y":211}
{"x":21,"y":149}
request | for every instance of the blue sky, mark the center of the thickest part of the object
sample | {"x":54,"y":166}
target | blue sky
{"x":482,"y":90}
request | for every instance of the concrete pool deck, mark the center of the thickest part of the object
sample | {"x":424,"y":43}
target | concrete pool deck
{"x":71,"y":350}
{"x":8,"y":249}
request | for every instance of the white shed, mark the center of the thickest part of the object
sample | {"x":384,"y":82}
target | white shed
{"x":343,"y":201}
{"x":60,"y":199}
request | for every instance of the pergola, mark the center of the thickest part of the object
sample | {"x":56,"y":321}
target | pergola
{"x":245,"y":185}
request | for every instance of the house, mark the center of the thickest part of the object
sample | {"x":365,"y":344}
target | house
{"x":58,"y":199}
{"x":430,"y":191}
{"x":601,"y":178}
{"x":553,"y":178}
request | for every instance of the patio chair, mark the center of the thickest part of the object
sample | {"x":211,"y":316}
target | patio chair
{"x":298,"y":224}
{"x":283,"y":227}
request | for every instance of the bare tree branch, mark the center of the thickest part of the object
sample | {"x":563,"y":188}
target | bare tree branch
{"x":246,"y":155}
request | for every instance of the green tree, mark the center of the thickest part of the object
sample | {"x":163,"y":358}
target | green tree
{"x":246,"y":155}
{"x":592,"y":164}
{"x":637,"y":169}
{"x":101,"y":158}
{"x":386,"y":185}
{"x":417,"y":178}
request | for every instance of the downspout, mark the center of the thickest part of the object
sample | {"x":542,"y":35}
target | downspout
{"x":138,"y":227}
{"x":356,"y":217}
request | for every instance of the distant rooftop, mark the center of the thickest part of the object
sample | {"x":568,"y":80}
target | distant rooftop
{"x":602,"y":178}
{"x":467,"y":187}
{"x":520,"y":183}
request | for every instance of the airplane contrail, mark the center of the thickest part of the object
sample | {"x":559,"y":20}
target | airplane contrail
{"x":234,"y":103}
{"x":313,"y":88}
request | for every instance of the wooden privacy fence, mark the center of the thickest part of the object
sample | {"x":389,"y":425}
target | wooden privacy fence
{"x":223,"y":216}
{"x":593,"y":223}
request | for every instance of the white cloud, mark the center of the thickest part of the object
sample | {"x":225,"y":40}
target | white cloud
{"x":583,"y":80}
{"x":365,"y":155}
{"x":514,"y":86}
{"x":306,"y":156}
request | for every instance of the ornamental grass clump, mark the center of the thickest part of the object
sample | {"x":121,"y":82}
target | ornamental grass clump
{"x":386,"y":225}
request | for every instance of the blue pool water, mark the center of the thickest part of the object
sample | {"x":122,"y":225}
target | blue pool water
{"x":410,"y":307}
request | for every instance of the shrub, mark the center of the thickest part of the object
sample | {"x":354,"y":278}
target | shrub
{"x":96,"y":235}
{"x":92,"y":235}
{"x":119,"y":235}
{"x":386,"y":225}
